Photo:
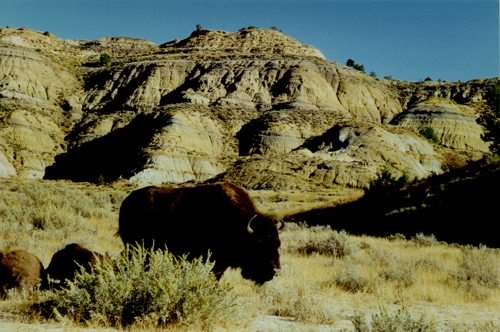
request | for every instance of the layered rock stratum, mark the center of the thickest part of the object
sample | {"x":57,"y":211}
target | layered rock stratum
{"x":254,"y":107}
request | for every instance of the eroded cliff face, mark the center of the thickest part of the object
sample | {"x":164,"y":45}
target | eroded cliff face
{"x":454,"y":126}
{"x":250,"y":84}
{"x":254,"y":107}
{"x":36,"y":94}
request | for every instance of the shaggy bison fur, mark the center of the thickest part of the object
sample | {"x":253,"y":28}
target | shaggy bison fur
{"x":219,"y":217}
{"x":65,"y":263}
{"x":19,"y":269}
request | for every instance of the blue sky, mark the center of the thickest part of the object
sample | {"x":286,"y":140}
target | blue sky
{"x":406,"y":39}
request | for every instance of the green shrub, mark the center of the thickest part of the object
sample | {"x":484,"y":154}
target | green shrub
{"x":105,"y":59}
{"x":386,"y":182}
{"x":46,"y":33}
{"x":359,"y":67}
{"x":146,"y":289}
{"x":101,"y":181}
{"x":491,"y":120}
{"x":428,"y":133}
{"x":352,"y":64}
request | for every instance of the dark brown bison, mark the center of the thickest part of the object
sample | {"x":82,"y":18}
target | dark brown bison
{"x":19,"y":269}
{"x":64,"y":263}
{"x":220,"y":217}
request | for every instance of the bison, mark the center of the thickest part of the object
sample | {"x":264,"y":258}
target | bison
{"x":19,"y":269}
{"x":65,"y":263}
{"x":218,"y":217}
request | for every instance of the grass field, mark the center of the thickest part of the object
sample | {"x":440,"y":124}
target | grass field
{"x":329,"y":278}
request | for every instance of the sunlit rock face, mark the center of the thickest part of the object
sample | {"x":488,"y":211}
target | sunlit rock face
{"x":254,"y":107}
{"x":451,"y":123}
{"x":32,"y":86}
{"x":256,"y":84}
{"x":349,"y":154}
{"x":188,"y":148}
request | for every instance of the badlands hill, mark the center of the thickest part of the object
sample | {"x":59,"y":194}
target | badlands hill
{"x":254,"y":107}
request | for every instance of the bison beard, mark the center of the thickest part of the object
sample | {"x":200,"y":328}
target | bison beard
{"x":220,"y":217}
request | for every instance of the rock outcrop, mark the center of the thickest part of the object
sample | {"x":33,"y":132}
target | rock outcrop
{"x":349,"y":154}
{"x":452,"y":125}
{"x":253,"y":84}
{"x":222,"y":44}
{"x":33,"y":87}
{"x":254,"y":107}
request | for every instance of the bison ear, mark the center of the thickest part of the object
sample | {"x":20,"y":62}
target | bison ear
{"x":280,"y":225}
{"x":249,"y":226}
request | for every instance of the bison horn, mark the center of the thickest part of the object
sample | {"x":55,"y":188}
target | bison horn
{"x":249,"y":228}
{"x":280,"y":224}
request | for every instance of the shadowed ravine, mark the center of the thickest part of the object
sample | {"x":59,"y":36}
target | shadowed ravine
{"x":456,"y":207}
{"x":118,"y":154}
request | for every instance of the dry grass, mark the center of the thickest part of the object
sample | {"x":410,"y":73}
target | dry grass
{"x":373,"y":281}
{"x":416,"y":281}
{"x":43,"y":216}
{"x":293,"y":202}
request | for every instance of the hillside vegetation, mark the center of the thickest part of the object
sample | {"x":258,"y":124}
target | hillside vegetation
{"x":329,"y":278}
{"x":457,"y":207}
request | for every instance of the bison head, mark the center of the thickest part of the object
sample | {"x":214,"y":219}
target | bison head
{"x":262,"y":261}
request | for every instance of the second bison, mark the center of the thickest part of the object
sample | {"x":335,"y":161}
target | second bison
{"x":220,"y":217}
{"x":66,"y":263}
{"x":20,"y":269}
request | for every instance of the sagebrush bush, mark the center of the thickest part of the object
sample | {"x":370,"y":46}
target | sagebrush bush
{"x":350,"y":279}
{"x":399,"y":270}
{"x":146,"y":289}
{"x":424,"y":240}
{"x":380,"y":257}
{"x":392,"y":267}
{"x":396,"y":237}
{"x":325,"y":241}
{"x":478,"y":269}
{"x":296,"y":302}
{"x":385,"y":321}
{"x":429,"y":263}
